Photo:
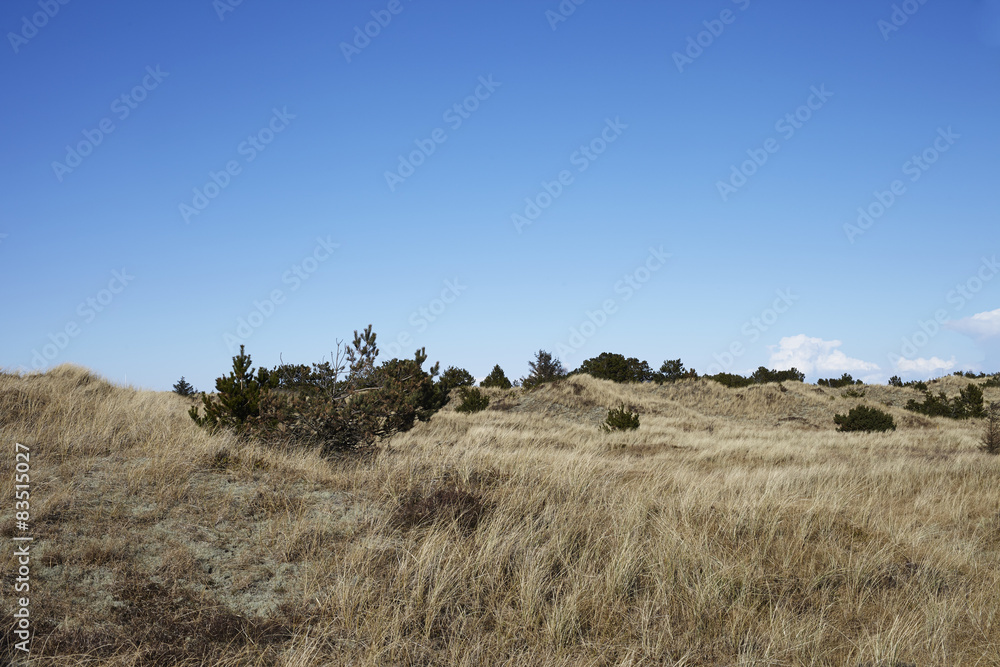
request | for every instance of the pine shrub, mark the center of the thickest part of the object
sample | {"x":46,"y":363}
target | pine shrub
{"x":344,"y":405}
{"x":863,"y":418}
{"x":620,"y":419}
{"x":238,"y":400}
{"x":496,"y":378}
{"x":845,"y":381}
{"x":473,"y":400}
{"x":991,"y":430}
{"x":673,"y":370}
{"x":615,"y":367}
{"x":969,"y":403}
{"x":184,"y":388}
{"x":545,"y":368}
{"x":453,"y":378}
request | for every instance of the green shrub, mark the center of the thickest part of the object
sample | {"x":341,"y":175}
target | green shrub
{"x":473,"y":400}
{"x":763,"y":375}
{"x":346,"y":405}
{"x":184,"y":388}
{"x":844,"y":381}
{"x":731,"y":380}
{"x":545,"y":368}
{"x":237,"y":403}
{"x":760,"y":376}
{"x":992,"y":381}
{"x":969,"y":403}
{"x":496,"y":378}
{"x":615,"y":367}
{"x":863,"y":418}
{"x":453,"y":378}
{"x":853,"y":393}
{"x":620,"y":419}
{"x":895,"y":381}
{"x":991,"y":430}
{"x":673,"y":370}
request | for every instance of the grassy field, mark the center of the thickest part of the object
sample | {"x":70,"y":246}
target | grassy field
{"x":735,"y":527}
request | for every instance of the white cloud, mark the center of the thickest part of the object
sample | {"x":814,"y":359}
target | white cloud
{"x":924,"y":366}
{"x":815,"y":355}
{"x":980,"y":325}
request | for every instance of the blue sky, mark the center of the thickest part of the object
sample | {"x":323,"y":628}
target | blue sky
{"x":488,"y":179}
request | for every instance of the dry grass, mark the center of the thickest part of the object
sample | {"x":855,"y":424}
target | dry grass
{"x":735,"y":527}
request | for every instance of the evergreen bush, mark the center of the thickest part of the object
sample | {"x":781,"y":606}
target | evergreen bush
{"x":496,"y":378}
{"x":545,"y":368}
{"x":473,"y":400}
{"x":863,"y":418}
{"x":620,"y":419}
{"x":184,"y":388}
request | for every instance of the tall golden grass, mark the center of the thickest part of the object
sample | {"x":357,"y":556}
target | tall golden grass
{"x":734,"y":527}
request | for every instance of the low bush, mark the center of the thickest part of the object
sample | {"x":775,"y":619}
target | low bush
{"x":615,"y":367}
{"x":496,"y":378}
{"x":673,"y":370}
{"x":760,"y":376}
{"x":844,"y":381}
{"x":346,"y":405}
{"x":969,"y":403}
{"x":621,"y":419}
{"x":453,"y":378}
{"x":863,"y":418}
{"x":473,"y":400}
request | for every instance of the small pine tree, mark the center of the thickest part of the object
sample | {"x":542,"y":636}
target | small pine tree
{"x":970,"y":402}
{"x":545,"y":368}
{"x":991,"y":431}
{"x":673,"y":370}
{"x":496,"y":378}
{"x":895,"y":381}
{"x":473,"y":400}
{"x":184,"y":388}
{"x":239,"y":395}
{"x":454,"y":378}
